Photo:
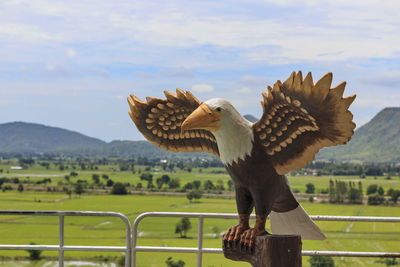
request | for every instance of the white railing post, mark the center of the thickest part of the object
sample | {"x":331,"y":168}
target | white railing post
{"x":61,"y":247}
{"x":61,"y":241}
{"x":200,"y":241}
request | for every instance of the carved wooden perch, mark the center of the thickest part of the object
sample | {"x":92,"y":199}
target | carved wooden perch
{"x":269,"y":251}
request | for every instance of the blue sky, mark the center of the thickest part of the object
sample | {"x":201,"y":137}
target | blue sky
{"x":72,"y":63}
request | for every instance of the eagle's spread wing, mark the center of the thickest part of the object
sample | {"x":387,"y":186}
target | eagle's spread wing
{"x":300,"y":118}
{"x":159,"y":120}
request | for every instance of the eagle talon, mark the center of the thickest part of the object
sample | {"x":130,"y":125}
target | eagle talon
{"x":234,"y":233}
{"x":248,"y":238}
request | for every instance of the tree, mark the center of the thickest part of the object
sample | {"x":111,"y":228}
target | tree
{"x":174,"y":183}
{"x":110,"y":182}
{"x":389,"y":262}
{"x":372,"y":189}
{"x":139,"y":186}
{"x":310,"y":188}
{"x":381,"y":191}
{"x":354,"y":196}
{"x":394,"y":195}
{"x":150,"y":185}
{"x":196,"y":184}
{"x":118,"y":189}
{"x":188,"y":186}
{"x":321,"y":261}
{"x":34,"y":254}
{"x":182,"y":227}
{"x":20,"y":188}
{"x":208,"y":185}
{"x":68,"y":191}
{"x":79,"y":189}
{"x":332,"y":192}
{"x":194,"y":194}
{"x":146,"y":176}
{"x":165,"y":178}
{"x":220,"y":185}
{"x":96,"y":178}
{"x":159,"y":182}
{"x":375,"y":199}
{"x":190,"y":196}
{"x":171,"y":263}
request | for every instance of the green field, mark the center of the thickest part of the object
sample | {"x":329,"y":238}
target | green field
{"x":36,"y":173}
{"x":160,"y":231}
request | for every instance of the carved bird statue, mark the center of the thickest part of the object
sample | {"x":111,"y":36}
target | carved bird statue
{"x":299,"y":118}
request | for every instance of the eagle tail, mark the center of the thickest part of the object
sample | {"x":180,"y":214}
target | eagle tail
{"x":297,"y":222}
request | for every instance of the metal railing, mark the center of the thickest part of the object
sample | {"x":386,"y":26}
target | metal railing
{"x":131,"y":247}
{"x":199,"y":250}
{"x":61,"y":247}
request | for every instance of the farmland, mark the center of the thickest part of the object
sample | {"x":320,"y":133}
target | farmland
{"x":161,"y":232}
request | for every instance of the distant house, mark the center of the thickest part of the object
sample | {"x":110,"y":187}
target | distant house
{"x":16,"y":168}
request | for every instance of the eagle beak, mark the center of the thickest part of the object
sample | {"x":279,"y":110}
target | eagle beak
{"x":202,"y":118}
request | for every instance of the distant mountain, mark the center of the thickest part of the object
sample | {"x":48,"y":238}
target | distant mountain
{"x":31,"y":139}
{"x":22,"y":137}
{"x":376,"y":141}
{"x":250,"y":118}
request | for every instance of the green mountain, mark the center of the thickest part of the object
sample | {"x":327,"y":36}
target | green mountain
{"x":32,"y":139}
{"x":22,"y":137}
{"x":376,"y":141}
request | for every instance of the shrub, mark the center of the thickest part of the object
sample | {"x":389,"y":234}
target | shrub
{"x":320,"y":261}
{"x":110,"y":182}
{"x":195,"y":194}
{"x":174,"y":183}
{"x":34,"y":254}
{"x":20,"y":188}
{"x":146,"y":177}
{"x":372,"y":189}
{"x":375,"y":199}
{"x":171,"y":263}
{"x":119,"y":189}
{"x":182,"y":227}
{"x":310,"y":188}
{"x":96,"y":178}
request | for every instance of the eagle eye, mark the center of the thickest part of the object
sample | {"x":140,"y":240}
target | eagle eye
{"x":218,"y":109}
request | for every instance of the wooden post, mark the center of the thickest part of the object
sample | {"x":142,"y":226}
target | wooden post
{"x":269,"y":251}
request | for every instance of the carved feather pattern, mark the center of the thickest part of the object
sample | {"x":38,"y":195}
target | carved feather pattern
{"x":159,"y":120}
{"x":300,"y":118}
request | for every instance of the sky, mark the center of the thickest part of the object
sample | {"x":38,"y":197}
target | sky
{"x":71,"y":63}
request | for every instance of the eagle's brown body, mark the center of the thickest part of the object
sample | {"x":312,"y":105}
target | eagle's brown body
{"x":299,"y":118}
{"x":258,"y":185}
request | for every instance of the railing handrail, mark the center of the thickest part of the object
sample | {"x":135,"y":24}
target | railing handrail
{"x":131,"y":247}
{"x":200,"y":250}
{"x":61,"y":247}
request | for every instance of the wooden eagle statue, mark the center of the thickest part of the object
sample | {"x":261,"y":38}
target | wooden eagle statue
{"x":299,"y":119}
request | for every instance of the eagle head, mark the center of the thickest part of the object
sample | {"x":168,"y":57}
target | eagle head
{"x":232,"y":131}
{"x":211,"y":115}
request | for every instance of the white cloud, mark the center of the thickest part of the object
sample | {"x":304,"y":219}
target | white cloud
{"x":202,"y":88}
{"x":340,"y":30}
{"x":108,"y":49}
{"x":70,"y":52}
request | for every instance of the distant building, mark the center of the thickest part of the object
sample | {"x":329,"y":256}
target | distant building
{"x":16,"y":168}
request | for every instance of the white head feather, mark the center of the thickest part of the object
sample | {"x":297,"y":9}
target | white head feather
{"x":235,"y":135}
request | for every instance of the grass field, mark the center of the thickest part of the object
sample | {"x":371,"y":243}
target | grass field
{"x":160,"y":231}
{"x":37,"y":172}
